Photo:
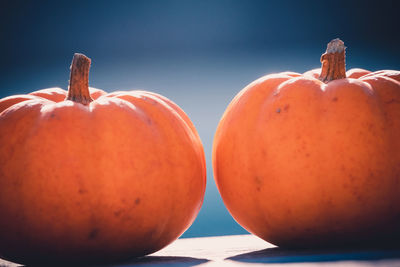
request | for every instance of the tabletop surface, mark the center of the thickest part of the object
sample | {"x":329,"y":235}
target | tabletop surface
{"x":248,"y":250}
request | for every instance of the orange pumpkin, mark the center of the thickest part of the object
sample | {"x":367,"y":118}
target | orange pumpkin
{"x":89,"y":176}
{"x":309,"y":160}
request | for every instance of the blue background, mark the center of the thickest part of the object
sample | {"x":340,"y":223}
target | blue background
{"x":197,"y":53}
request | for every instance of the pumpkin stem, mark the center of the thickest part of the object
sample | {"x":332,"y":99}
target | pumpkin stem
{"x":78,"y":90}
{"x":333,"y":61}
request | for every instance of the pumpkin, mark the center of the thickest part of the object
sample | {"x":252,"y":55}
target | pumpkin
{"x":313,"y":159}
{"x":94,"y":177}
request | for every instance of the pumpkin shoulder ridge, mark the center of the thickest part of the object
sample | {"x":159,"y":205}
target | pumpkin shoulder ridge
{"x":265,"y":85}
{"x":156,"y":98}
{"x":10,"y":101}
{"x":393,"y":74}
{"x":55,"y":94}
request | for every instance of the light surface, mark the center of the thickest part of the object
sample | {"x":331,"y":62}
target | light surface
{"x":248,"y":250}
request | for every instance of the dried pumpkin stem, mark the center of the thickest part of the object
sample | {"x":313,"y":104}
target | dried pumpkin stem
{"x":78,"y":90}
{"x":333,"y":62}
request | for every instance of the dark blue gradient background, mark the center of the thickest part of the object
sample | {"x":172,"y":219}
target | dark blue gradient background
{"x":197,"y":53}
